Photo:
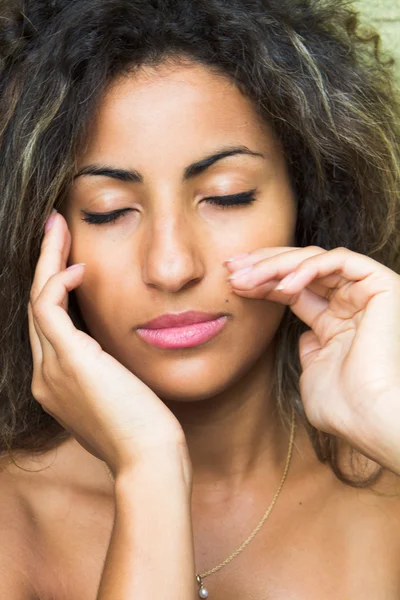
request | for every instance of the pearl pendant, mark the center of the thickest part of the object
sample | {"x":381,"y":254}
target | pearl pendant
{"x":203,"y":592}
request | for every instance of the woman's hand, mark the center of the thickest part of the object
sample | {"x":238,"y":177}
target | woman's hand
{"x":110,"y":412}
{"x":350,"y":356}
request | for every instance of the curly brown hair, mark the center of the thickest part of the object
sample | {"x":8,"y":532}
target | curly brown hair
{"x":323,"y":87}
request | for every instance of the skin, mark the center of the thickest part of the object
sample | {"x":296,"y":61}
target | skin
{"x":168,"y":257}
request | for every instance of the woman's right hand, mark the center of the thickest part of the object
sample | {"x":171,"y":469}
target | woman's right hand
{"x":108,"y":410}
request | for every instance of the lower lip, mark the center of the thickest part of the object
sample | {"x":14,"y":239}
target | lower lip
{"x":183,"y":337}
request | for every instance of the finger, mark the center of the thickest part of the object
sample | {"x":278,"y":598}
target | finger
{"x":53,"y":324}
{"x":263,"y":254}
{"x":36,"y":346}
{"x":325,"y":286}
{"x":306,"y":304}
{"x":332,"y":269}
{"x":272,"y":267}
{"x":309,"y":347}
{"x":267,"y":289}
{"x":46,"y":348}
{"x":255,"y":256}
{"x":346,"y":264}
{"x":54,"y":254}
{"x":363,"y":279}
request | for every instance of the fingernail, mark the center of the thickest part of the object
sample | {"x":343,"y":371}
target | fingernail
{"x":237,"y":257}
{"x":74,"y":266}
{"x":240,"y":272}
{"x":289,"y":278}
{"x":50,"y":220}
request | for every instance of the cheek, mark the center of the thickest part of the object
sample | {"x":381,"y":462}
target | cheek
{"x":275,"y":227}
{"x":104,"y":282}
{"x":107,"y":309}
{"x":277,"y":224}
{"x":229,"y":234}
{"x":108,"y":265}
{"x":257,"y":320}
{"x":103,"y":297}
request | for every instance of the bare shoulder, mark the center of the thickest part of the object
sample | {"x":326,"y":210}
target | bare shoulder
{"x":385,"y":497}
{"x":380,"y":498}
{"x":56,"y":508}
{"x":35,"y":493}
{"x":18,"y":564}
{"x":372,"y":514}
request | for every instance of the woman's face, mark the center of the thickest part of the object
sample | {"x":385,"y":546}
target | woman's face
{"x":165,"y":253}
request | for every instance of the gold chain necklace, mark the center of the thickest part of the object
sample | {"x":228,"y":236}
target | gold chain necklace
{"x":203,"y":592}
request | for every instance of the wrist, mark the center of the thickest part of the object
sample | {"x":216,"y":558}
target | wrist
{"x":378,"y":431}
{"x":163,"y":464}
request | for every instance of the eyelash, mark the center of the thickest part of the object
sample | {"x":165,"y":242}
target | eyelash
{"x":234,"y":200}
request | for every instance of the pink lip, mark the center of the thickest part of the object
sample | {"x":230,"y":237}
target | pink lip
{"x":178,"y":319}
{"x":184,"y":336}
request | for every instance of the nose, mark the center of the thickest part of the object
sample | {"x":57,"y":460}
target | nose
{"x":172,"y":254}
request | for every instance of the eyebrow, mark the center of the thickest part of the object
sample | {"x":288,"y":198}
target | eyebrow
{"x":191,"y":171}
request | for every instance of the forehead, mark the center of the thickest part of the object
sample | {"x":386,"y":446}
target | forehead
{"x":183,"y":104}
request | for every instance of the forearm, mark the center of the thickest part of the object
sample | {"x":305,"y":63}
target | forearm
{"x":151,"y":551}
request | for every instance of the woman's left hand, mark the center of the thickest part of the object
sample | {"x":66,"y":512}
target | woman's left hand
{"x":350,"y":356}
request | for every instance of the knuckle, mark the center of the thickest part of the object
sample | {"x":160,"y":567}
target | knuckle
{"x":47,"y":375}
{"x":66,"y":365}
{"x":84,"y":346}
{"x":34,"y":293}
{"x":38,"y":310}
{"x":37,"y":391}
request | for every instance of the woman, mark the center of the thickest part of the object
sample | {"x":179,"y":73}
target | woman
{"x":182,"y":142}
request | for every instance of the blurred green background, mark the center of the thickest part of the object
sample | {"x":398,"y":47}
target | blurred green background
{"x":385,"y":16}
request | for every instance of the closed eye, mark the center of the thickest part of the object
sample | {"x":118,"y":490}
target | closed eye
{"x":101,"y":218}
{"x":233,"y":200}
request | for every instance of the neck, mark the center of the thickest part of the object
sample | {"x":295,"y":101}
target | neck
{"x":237,"y":434}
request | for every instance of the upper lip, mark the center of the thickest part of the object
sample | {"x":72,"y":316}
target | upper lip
{"x":179,"y":319}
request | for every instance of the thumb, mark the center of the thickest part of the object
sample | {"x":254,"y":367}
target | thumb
{"x":309,"y":348}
